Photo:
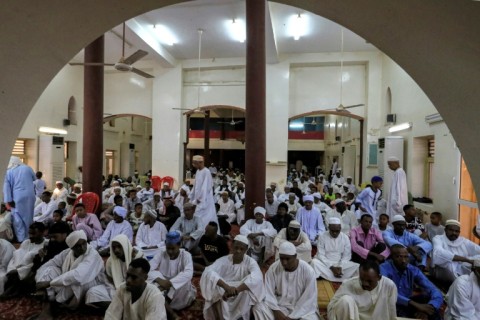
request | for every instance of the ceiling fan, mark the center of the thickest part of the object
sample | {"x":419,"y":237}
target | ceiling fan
{"x":341,"y":107}
{"x":232,"y":123}
{"x":197,"y":109}
{"x":124,"y":64}
{"x":313,"y":123}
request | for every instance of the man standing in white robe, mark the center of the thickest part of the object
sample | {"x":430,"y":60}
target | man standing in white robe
{"x":202,"y":193}
{"x":172,"y":271}
{"x":151,"y":234}
{"x":68,"y":276}
{"x":6,"y":254}
{"x":367,"y":297}
{"x":463,"y":297}
{"x":294,"y":235}
{"x":310,"y":219}
{"x":136,"y":299}
{"x":398,"y":196}
{"x":260,"y":234}
{"x":332,"y":261}
{"x":290,"y":289}
{"x":453,"y":255}
{"x":190,"y":227}
{"x":232,"y":284}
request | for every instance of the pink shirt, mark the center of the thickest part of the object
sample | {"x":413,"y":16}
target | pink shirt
{"x":369,"y":241}
{"x":91,"y":221}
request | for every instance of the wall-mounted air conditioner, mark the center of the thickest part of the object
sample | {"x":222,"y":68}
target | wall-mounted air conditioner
{"x":51,"y":159}
{"x":391,"y":118}
{"x":433,"y":118}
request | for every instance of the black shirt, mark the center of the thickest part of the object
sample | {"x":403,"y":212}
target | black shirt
{"x":279,"y":222}
{"x":213,"y":249}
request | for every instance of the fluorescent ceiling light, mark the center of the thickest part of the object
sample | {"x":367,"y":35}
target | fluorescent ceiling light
{"x":297,"y":26}
{"x":164,"y":35}
{"x":50,"y":130}
{"x":296,"y":125}
{"x":400,"y":127}
{"x":237,"y":29}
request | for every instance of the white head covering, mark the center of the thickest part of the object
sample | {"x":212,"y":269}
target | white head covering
{"x":260,"y":210}
{"x":349,"y":177}
{"x":197,"y":158}
{"x":185,"y":188}
{"x":14,"y":162}
{"x":337,"y":201}
{"x":242,"y":239}
{"x":114,"y":266}
{"x":453,"y":222}
{"x":397,"y":218}
{"x":121,"y":211}
{"x":166,"y":184}
{"x":334,"y":221}
{"x":287,"y":248}
{"x":308,"y":198}
{"x":393,"y":159}
{"x":317,"y":195}
{"x":73,"y":238}
{"x":58,"y":181}
{"x":152,"y":213}
{"x":294,"y":224}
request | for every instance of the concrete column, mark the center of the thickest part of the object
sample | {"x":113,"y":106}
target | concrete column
{"x":93,"y":118}
{"x":206,"y":145}
{"x":255,"y":151}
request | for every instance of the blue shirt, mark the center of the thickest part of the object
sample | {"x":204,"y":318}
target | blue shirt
{"x":407,"y":239}
{"x":406,"y":280}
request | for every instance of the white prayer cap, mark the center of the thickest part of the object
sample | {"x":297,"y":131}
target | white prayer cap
{"x":273,"y":184}
{"x":152,"y":213}
{"x":139,"y":186}
{"x":197,"y":158}
{"x":242,"y":239}
{"x":334,"y":221}
{"x":308,"y":198}
{"x":260,"y":210}
{"x":117,"y":188}
{"x":393,"y":159}
{"x":287,"y":248}
{"x":398,"y":218}
{"x":339,"y":169}
{"x":185,"y":188}
{"x":225,"y":192}
{"x":188,"y":205}
{"x":73,"y":238}
{"x":349,"y":177}
{"x":294,"y":224}
{"x":292,"y":194}
{"x":157,"y":194}
{"x":120,"y":211}
{"x":321,"y":175}
{"x":453,"y":222}
{"x":476,"y":263}
{"x":337,"y":201}
{"x":166,"y":184}
{"x":77,"y":185}
{"x":317,"y":195}
{"x":58,"y":181}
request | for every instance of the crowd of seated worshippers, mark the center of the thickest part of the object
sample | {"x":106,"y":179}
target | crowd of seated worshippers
{"x":155,"y":248}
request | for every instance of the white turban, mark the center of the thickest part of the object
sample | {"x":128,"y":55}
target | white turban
{"x":260,"y":210}
{"x":73,"y":238}
{"x":308,"y":198}
{"x":57,"y":182}
{"x":393,"y":159}
{"x":397,"y":218}
{"x":337,"y":201}
{"x":197,"y":158}
{"x":334,"y":221}
{"x":242,"y":239}
{"x":120,"y":211}
{"x":453,"y":222}
{"x":14,"y":162}
{"x":294,"y":224}
{"x":152,"y":213}
{"x":287,"y":248}
{"x":317,"y":195}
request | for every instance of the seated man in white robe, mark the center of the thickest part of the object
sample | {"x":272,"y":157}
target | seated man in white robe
{"x":6,"y":254}
{"x":19,"y":275}
{"x":172,"y":272}
{"x":334,"y":252}
{"x":294,"y":235}
{"x":151,"y":234}
{"x":232,"y":284}
{"x":136,"y":299}
{"x":68,"y":276}
{"x":290,"y":289}
{"x":121,"y":254}
{"x":347,"y":217}
{"x":293,"y":205}
{"x":190,"y":227}
{"x":453,"y":255}
{"x":369,"y":296}
{"x":463,"y":297}
{"x":43,"y":212}
{"x":311,"y":220}
{"x":260,"y":234}
{"x":115,"y":227}
{"x":227,"y":207}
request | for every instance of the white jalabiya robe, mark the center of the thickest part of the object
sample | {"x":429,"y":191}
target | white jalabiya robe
{"x":443,"y":252}
{"x":227,"y":208}
{"x":293,"y":293}
{"x":246,"y":272}
{"x":351,"y":302}
{"x":150,"y":305}
{"x":113,"y":230}
{"x":334,"y":252}
{"x":348,"y":219}
{"x":192,"y":228}
{"x":151,"y":236}
{"x":179,"y":272}
{"x":6,"y":254}
{"x":311,"y":222}
{"x":304,"y":250}
{"x":202,"y":197}
{"x":71,"y":277}
{"x":398,"y":196}
{"x":463,"y":298}
{"x":265,"y":241}
{"x":43,"y":212}
{"x":22,"y":259}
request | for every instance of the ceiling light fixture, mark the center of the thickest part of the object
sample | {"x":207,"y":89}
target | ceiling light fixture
{"x":164,"y":35}
{"x":49,"y":130}
{"x":298,"y":26}
{"x":237,"y":29}
{"x":400,"y":127}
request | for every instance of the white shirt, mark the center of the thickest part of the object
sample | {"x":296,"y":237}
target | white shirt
{"x":43,"y":212}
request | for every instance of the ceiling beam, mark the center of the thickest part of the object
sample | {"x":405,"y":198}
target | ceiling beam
{"x":270,"y":41}
{"x":162,"y":55}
